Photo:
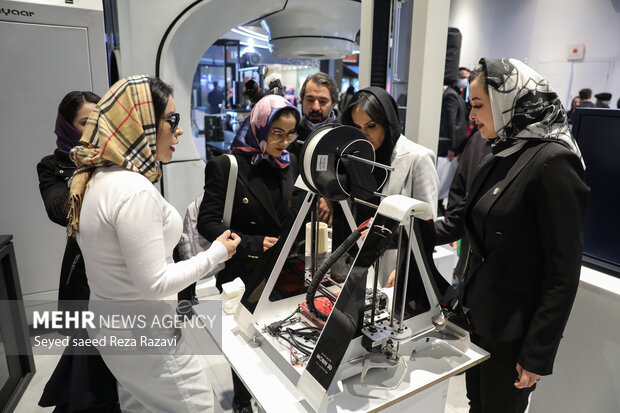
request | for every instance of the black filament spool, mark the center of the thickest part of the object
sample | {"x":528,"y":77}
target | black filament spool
{"x":321,"y":163}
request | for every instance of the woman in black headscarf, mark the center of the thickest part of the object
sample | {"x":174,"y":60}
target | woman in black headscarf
{"x":54,"y":172}
{"x":79,"y":382}
{"x":375,"y":113}
{"x":524,"y":217}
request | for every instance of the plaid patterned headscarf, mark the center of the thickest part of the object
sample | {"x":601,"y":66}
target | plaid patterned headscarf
{"x":120,"y":131}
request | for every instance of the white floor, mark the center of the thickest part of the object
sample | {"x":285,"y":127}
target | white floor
{"x":218,"y":372}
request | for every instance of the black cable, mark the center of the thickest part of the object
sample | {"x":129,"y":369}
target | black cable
{"x":322,"y":289}
{"x":297,"y":343}
{"x":325,"y":266}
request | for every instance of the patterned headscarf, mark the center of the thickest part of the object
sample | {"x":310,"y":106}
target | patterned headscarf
{"x":253,"y":134}
{"x":524,"y":107}
{"x":121,"y":130}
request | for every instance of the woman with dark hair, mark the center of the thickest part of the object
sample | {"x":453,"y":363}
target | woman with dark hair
{"x":573,"y":104}
{"x":375,"y":112}
{"x":265,"y":180}
{"x":523,"y":215}
{"x":54,"y":172}
{"x":70,"y":386}
{"x":127,"y":232}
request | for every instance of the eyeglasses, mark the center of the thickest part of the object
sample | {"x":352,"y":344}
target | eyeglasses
{"x":281,"y":136}
{"x":173,"y":120}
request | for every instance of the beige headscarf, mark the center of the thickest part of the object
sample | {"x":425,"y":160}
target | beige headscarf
{"x":120,"y":131}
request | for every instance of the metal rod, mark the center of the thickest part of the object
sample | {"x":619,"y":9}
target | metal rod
{"x":367,"y":162}
{"x":313,"y":244}
{"x":408,"y":259}
{"x":375,"y":284}
{"x":368,"y":204}
{"x":379,"y":194}
{"x":325,"y":291}
{"x":396,"y":275}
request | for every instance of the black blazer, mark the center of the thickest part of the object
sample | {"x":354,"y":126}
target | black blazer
{"x":526,"y":241}
{"x":254,"y":215}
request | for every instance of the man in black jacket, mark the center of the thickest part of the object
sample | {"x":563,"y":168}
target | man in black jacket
{"x":319,"y":95}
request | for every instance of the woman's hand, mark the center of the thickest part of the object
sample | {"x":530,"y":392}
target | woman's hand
{"x":269,"y":242}
{"x":526,"y":378}
{"x":390,"y":281}
{"x":326,"y":211}
{"x":230,"y":240}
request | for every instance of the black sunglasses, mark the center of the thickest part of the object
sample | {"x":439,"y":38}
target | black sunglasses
{"x":173,"y":120}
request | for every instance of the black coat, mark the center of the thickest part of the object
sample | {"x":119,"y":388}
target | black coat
{"x":453,"y":124}
{"x":451,"y":228}
{"x":54,"y":172}
{"x":254,"y":215}
{"x":526,"y":236}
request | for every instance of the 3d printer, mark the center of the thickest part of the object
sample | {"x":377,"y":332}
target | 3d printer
{"x":327,"y":336}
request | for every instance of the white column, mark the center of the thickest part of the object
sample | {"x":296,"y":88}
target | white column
{"x":366,"y":42}
{"x":427,"y":55}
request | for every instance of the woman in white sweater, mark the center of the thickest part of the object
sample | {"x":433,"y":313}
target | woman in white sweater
{"x":127,"y":232}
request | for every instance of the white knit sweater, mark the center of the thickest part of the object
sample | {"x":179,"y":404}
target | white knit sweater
{"x":127,"y":234}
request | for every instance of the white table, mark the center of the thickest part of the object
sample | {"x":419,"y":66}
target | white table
{"x":422,"y":390}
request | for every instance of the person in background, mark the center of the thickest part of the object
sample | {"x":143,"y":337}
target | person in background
{"x":584,"y":102}
{"x":215,"y":99}
{"x":602,"y":100}
{"x":375,"y":113}
{"x":346,"y":99}
{"x":127,"y":232}
{"x":449,"y":229}
{"x":453,"y":125}
{"x":319,"y":95}
{"x":70,"y":387}
{"x":585,"y":96}
{"x":290,"y":96}
{"x":524,"y":217}
{"x":463,"y":80}
{"x":573,"y":104}
{"x":265,"y":179}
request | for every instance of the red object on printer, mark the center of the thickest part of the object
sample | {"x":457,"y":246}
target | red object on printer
{"x":322,"y":304}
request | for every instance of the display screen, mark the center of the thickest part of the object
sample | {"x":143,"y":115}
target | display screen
{"x":597,"y":132}
{"x":16,"y":365}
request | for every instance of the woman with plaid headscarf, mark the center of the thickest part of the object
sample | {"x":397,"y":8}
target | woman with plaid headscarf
{"x":127,"y":232}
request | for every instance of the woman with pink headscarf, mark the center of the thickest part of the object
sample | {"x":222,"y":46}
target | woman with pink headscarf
{"x":265,"y":180}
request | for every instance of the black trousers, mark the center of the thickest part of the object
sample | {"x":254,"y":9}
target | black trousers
{"x":490,"y":385}
{"x":242,"y":396}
